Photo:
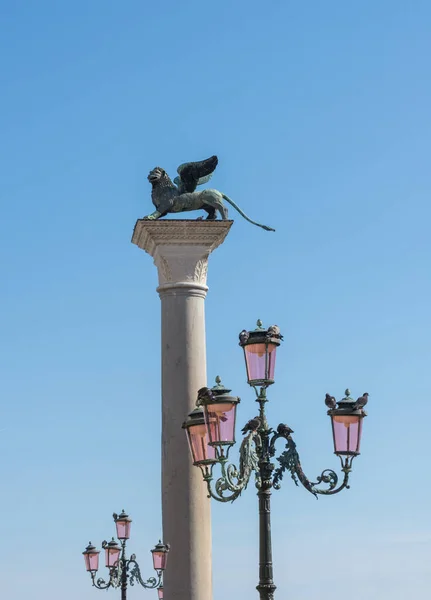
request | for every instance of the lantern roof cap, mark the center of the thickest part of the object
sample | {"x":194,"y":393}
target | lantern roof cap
{"x":219,"y":393}
{"x":111,"y":544}
{"x":90,"y":549}
{"x":123,"y":516}
{"x":260,"y":335}
{"x":195,"y":417}
{"x":161,"y":547}
{"x":219,"y":389}
{"x":346,"y":406}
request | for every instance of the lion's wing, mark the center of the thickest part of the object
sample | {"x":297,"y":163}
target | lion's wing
{"x":193,"y":174}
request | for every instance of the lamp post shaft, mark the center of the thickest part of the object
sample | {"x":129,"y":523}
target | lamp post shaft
{"x":123,"y":572}
{"x":266,"y":585}
{"x":124,"y":583}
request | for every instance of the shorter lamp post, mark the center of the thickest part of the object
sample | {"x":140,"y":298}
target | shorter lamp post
{"x":123,"y":570}
{"x":210,"y":431}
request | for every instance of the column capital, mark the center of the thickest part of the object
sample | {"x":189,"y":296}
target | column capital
{"x":180,"y":249}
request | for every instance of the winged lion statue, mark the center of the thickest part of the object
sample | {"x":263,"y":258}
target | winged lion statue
{"x":181,"y":195}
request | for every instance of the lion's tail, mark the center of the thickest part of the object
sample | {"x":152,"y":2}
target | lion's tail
{"x":232,"y":203}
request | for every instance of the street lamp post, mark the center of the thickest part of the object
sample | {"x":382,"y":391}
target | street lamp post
{"x":123,"y":570}
{"x":211,"y":433}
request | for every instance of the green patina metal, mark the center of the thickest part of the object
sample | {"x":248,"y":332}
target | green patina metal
{"x":127,"y":571}
{"x":180,"y":196}
{"x":256,"y":456}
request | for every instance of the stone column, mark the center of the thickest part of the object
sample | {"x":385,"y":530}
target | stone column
{"x":180,"y":249}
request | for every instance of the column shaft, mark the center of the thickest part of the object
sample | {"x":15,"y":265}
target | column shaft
{"x":186,"y":509}
{"x":180,"y":250}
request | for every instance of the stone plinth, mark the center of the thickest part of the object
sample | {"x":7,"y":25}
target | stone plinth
{"x":180,"y":249}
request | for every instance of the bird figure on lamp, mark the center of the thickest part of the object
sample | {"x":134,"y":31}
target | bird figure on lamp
{"x":204,"y":394}
{"x":252,"y":425}
{"x":361,"y":402}
{"x":243,"y":336}
{"x":284,"y":429}
{"x":330,"y":402}
{"x":274,"y":332}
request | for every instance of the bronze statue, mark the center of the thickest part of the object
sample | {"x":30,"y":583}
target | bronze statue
{"x":180,"y":195}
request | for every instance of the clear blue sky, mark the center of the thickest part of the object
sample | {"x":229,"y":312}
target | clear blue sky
{"x":320,"y":115}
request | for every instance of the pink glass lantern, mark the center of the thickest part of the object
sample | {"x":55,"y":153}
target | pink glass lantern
{"x":160,"y":592}
{"x":112,"y":553}
{"x":122,"y":523}
{"x":197,"y":435}
{"x":220,"y":415}
{"x":347,"y":427}
{"x":260,"y":350}
{"x":220,"y":422}
{"x":160,"y":556}
{"x":347,"y":430}
{"x":91,"y":558}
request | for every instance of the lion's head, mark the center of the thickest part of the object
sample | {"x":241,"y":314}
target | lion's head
{"x":156,"y":175}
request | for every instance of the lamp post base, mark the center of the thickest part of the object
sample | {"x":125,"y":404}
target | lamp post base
{"x":266,"y":591}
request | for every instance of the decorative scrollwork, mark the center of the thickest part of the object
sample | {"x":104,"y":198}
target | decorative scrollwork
{"x":114,"y":579}
{"x":236,"y":480}
{"x":330,"y":477}
{"x":257,"y":448}
{"x":133,"y":575}
{"x":101,"y":584}
{"x":289,"y":461}
{"x":136,"y":577}
{"x":249,"y":458}
{"x":327,"y":476}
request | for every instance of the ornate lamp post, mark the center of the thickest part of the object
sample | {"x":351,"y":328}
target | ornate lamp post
{"x":211,"y":433}
{"x":122,"y":570}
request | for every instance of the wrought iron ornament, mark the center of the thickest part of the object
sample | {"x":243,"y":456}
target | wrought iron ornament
{"x":258,"y":447}
{"x":125,"y":571}
{"x":256,"y":451}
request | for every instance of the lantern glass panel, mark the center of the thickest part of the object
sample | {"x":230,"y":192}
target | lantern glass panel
{"x":220,"y":422}
{"x":260,"y":360}
{"x":123,"y":529}
{"x":159,"y":560}
{"x":198,"y":443}
{"x":91,"y":561}
{"x":347,"y":431}
{"x":112,"y":556}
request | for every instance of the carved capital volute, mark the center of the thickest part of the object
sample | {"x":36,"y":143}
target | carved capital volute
{"x":180,"y":264}
{"x":180,"y":249}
